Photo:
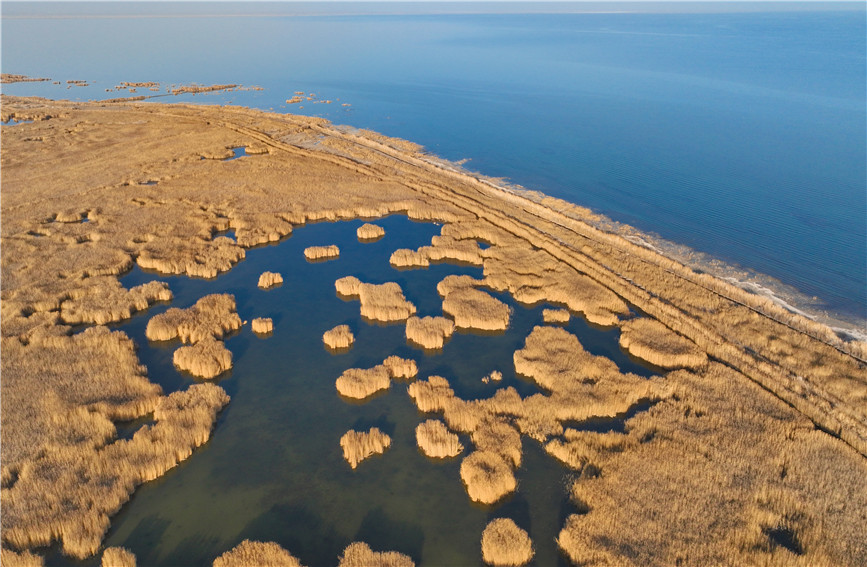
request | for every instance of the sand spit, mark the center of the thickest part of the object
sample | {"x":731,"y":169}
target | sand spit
{"x":256,"y":554}
{"x":359,"y":445}
{"x":738,"y":437}
{"x":262,"y":325}
{"x":369,"y":232}
{"x":436,"y":441}
{"x":338,"y":338}
{"x":429,"y":332}
{"x":650,"y":340}
{"x":196,"y":88}
{"x":12,"y":78}
{"x":270,"y":279}
{"x":475,"y":309}
{"x":555,"y":316}
{"x":505,"y":544}
{"x":360,"y":383}
{"x":118,"y":557}
{"x":379,"y":302}
{"x":487,"y":477}
{"x":359,"y":554}
{"x":314,"y":253}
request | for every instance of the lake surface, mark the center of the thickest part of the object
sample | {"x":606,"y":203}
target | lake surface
{"x":740,"y":135}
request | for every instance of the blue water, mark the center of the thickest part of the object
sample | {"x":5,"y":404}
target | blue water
{"x":741,"y":135}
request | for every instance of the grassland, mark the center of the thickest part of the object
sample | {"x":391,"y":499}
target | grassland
{"x":751,"y":447}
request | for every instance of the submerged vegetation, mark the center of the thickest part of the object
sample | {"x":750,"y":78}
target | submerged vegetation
{"x":756,"y":419}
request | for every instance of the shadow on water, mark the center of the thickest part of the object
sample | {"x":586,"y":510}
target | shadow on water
{"x":273,"y":469}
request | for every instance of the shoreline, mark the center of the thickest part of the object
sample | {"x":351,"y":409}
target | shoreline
{"x":92,"y":189}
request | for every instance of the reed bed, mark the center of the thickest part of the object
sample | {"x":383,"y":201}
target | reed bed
{"x":211,"y":316}
{"x":442,"y":248}
{"x":314,"y":253}
{"x":204,"y":259}
{"x":429,"y":332}
{"x":652,"y":341}
{"x":360,"y":383}
{"x":118,"y":557}
{"x":359,"y":445}
{"x":262,"y":325}
{"x":504,"y":544}
{"x":10,"y":558}
{"x":369,"y":232}
{"x":338,"y":338}
{"x":359,"y":554}
{"x":555,"y":316}
{"x":207,"y":358}
{"x":108,"y":301}
{"x":497,"y":436}
{"x":270,"y":279}
{"x":436,"y":441}
{"x":487,"y":477}
{"x":494,"y":376}
{"x":379,"y":302}
{"x":475,"y":309}
{"x":257,"y":554}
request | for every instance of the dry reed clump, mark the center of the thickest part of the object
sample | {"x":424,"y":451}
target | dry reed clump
{"x":360,"y":383}
{"x":202,"y":258}
{"x":262,"y":325}
{"x":368,"y":232}
{"x":497,"y":436}
{"x":359,"y":554}
{"x":436,"y":441}
{"x":504,"y":544}
{"x":487,"y":477}
{"x":400,"y":368}
{"x":313,"y":253}
{"x":211,"y":316}
{"x":69,"y":492}
{"x":494,"y":376}
{"x":379,"y":302}
{"x":207,"y":358}
{"x":109,"y":301}
{"x":118,"y":557}
{"x":650,"y":340}
{"x":338,"y":338}
{"x":555,"y":316}
{"x":256,"y":554}
{"x":475,"y":309}
{"x":253,"y":229}
{"x":429,"y":332}
{"x":10,"y":558}
{"x":270,"y":279}
{"x":442,"y":248}
{"x":359,"y":445}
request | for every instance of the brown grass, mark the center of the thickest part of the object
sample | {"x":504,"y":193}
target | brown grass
{"x":379,"y":302}
{"x":555,"y":316}
{"x":429,"y":332}
{"x":436,"y":441}
{"x":505,"y":544}
{"x":369,"y":232}
{"x":340,"y":337}
{"x":359,"y":445}
{"x":118,"y":557}
{"x":359,"y":554}
{"x":270,"y":279}
{"x":487,"y":477}
{"x":256,"y":554}
{"x":262,"y":325}
{"x":314,"y":253}
{"x":652,"y":341}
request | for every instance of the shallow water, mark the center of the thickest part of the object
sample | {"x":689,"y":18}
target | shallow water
{"x":273,"y":469}
{"x":742,"y":135}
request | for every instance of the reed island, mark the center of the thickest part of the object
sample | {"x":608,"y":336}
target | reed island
{"x":747,"y":447}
